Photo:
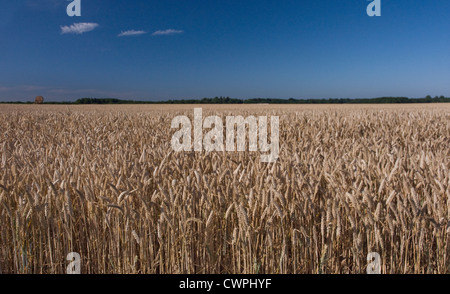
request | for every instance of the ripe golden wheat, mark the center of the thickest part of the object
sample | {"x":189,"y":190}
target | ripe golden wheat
{"x":104,"y":182}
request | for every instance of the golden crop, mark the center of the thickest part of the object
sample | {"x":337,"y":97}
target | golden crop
{"x":103,"y":181}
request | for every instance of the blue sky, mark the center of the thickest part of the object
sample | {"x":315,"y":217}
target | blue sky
{"x":204,"y":48}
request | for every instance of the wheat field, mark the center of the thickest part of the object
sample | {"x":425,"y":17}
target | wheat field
{"x":104,"y":182}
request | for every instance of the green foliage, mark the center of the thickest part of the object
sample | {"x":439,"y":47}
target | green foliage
{"x":228,"y":100}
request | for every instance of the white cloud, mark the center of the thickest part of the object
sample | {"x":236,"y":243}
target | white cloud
{"x":131,"y":33}
{"x":167,"y":32}
{"x":79,"y":28}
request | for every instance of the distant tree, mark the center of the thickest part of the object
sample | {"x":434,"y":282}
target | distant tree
{"x":228,"y":100}
{"x":39,"y":100}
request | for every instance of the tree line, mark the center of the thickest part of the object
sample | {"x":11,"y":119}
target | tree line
{"x":228,"y":100}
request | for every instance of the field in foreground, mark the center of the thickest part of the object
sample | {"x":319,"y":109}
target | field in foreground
{"x":104,"y":182}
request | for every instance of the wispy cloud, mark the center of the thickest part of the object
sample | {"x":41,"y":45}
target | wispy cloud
{"x":131,"y":33}
{"x":167,"y":32}
{"x":79,"y":28}
{"x":25,"y":88}
{"x":89,"y":92}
